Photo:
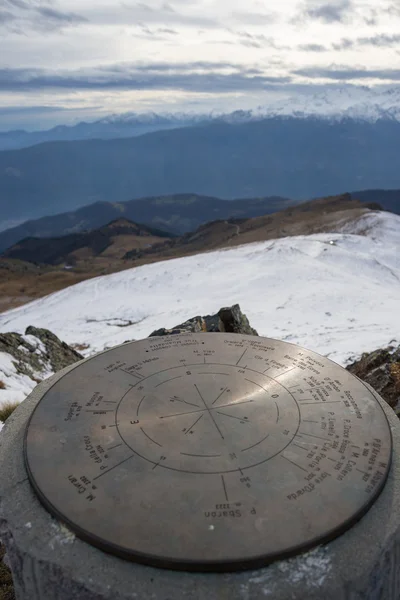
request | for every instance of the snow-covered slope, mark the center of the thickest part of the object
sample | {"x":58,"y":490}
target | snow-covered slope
{"x":337,"y":294}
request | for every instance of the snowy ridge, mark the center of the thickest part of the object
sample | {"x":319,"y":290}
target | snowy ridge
{"x":356,"y":102}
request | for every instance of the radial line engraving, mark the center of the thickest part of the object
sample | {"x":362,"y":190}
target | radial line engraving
{"x":284,"y":373}
{"x":195,"y":423}
{"x":224,"y":486}
{"x":243,"y":419}
{"x":133,"y":374}
{"x":219,"y":396}
{"x":114,"y":467}
{"x":295,"y":464}
{"x":241,"y":357}
{"x":209,"y":412}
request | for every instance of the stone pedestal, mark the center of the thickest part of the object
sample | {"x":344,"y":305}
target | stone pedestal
{"x":49,"y":563}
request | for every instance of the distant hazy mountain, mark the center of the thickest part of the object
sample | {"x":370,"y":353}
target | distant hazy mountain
{"x":359,"y":103}
{"x":113,"y":126}
{"x":176,"y":214}
{"x":294,"y":158}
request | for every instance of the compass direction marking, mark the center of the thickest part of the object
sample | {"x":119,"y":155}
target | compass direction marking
{"x":224,"y":486}
{"x":113,"y":447}
{"x":295,"y":464}
{"x":241,"y":357}
{"x":133,"y":374}
{"x":114,"y":467}
{"x":191,"y":427}
{"x":302,"y":447}
{"x":175,"y":399}
{"x":284,"y":373}
{"x":314,"y":436}
{"x":209,"y":412}
{"x":243,"y":419}
{"x":219,"y":396}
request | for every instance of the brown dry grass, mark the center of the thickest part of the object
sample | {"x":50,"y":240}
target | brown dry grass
{"x":6,"y":582}
{"x":7,"y":409}
{"x":79,"y":347}
{"x":2,"y":385}
{"x":395,"y":372}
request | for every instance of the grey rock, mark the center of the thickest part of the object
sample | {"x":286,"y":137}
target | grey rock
{"x":381,"y":370}
{"x":58,"y":353}
{"x":34,"y":359}
{"x":227,"y":320}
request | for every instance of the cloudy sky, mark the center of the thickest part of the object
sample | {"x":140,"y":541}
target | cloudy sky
{"x":68,"y":60}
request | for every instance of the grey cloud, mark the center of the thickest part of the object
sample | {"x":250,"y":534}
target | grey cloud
{"x":329,"y":12}
{"x":159,"y":33}
{"x":131,"y":77}
{"x":393,"y":10}
{"x":52,"y":15}
{"x":37,"y":15}
{"x":167,"y":30}
{"x":344,"y":44}
{"x":17,"y":4}
{"x":6,"y":16}
{"x":245,"y":38}
{"x":313,"y":48}
{"x":347,"y":74}
{"x":383,"y":39}
{"x":32,"y":110}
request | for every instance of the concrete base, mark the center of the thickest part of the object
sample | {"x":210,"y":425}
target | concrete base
{"x":49,"y":563}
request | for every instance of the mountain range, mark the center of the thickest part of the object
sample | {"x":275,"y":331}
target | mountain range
{"x":113,"y":126}
{"x":293,"y":158}
{"x":123,"y":239}
{"x":354,"y":102}
{"x":176,"y":214}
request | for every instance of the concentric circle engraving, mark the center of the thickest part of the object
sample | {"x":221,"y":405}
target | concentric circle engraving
{"x":214,"y":415}
{"x":209,"y":451}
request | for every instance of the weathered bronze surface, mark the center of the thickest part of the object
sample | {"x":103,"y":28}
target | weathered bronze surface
{"x":208,"y":451}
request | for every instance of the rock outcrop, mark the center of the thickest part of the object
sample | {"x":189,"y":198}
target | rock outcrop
{"x":38,"y":352}
{"x":227,"y":320}
{"x":381,"y":369}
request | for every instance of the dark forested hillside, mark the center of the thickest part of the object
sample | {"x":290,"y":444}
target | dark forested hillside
{"x":295,"y":158}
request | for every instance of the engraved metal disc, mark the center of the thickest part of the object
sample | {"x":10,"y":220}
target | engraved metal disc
{"x":208,"y":451}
